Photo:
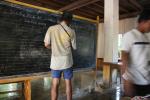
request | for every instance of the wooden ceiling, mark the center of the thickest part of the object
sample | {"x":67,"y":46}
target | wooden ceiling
{"x":92,"y":8}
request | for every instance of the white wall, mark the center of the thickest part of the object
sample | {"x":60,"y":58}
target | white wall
{"x":100,"y":41}
{"x":124,"y":26}
{"x":127,"y":24}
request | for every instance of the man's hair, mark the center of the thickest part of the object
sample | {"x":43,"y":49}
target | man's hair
{"x":67,"y":16}
{"x":144,"y":16}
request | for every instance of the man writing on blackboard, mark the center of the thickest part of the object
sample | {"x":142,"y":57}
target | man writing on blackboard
{"x":60,"y":39}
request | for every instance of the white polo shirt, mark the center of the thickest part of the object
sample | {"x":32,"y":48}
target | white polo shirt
{"x":61,"y":43}
{"x":138,"y":47}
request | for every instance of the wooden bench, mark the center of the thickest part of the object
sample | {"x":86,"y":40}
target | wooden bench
{"x":25,"y":79}
{"x":107,"y":69}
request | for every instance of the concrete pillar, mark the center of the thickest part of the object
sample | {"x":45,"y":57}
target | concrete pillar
{"x":111,"y":29}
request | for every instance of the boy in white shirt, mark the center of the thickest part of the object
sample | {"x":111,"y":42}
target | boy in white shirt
{"x":136,"y":58}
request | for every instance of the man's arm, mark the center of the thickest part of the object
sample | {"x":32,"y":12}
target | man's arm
{"x":47,"y":39}
{"x":48,"y":46}
{"x":125,"y":61}
{"x":73,"y":41}
{"x":127,"y":84}
{"x":127,"y":43}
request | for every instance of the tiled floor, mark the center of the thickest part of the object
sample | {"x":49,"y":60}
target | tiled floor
{"x":84,"y":88}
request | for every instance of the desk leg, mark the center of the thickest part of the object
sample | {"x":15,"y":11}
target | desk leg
{"x":106,"y":75}
{"x":27,"y":90}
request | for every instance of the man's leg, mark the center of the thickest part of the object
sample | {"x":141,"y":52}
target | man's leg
{"x":128,"y":88}
{"x":68,"y":89}
{"x":54,"y":88}
{"x":56,"y":75}
{"x":68,"y":74}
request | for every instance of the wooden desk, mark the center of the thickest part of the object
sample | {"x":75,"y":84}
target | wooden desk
{"x":107,"y":68}
{"x":25,"y":79}
{"x":99,"y":63}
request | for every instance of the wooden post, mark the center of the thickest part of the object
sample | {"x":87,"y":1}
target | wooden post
{"x":99,"y":63}
{"x":107,"y":74}
{"x":98,"y":20}
{"x":27,"y":90}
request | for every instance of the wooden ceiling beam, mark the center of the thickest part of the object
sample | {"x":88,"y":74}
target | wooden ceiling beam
{"x":122,"y":9}
{"x":98,"y":11}
{"x":47,"y":2}
{"x":99,"y":8}
{"x":77,"y":4}
{"x":136,"y":4}
{"x":88,"y":12}
{"x":38,"y":3}
{"x":27,"y":1}
{"x":83,"y":14}
{"x":58,"y":2}
{"x":128,"y":15}
{"x":131,"y":5}
{"x":98,"y":5}
{"x":36,"y":6}
{"x":32,"y":2}
{"x":145,"y":2}
{"x":123,"y":16}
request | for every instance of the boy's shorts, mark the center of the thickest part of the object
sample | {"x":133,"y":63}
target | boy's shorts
{"x":67,"y":73}
{"x":142,"y":90}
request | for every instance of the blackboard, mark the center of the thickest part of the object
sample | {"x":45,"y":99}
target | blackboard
{"x":22,"y":31}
